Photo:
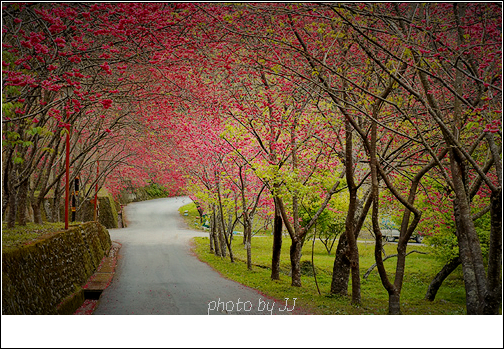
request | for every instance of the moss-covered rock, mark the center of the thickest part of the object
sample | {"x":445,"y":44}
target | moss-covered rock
{"x":70,"y":303}
{"x":39,"y":278}
{"x":107,"y":211}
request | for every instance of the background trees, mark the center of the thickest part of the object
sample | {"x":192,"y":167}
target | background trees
{"x":443,"y":77}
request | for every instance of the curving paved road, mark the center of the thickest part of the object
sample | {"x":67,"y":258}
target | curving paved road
{"x":157,"y":274}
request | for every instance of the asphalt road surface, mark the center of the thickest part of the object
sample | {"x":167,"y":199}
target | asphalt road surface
{"x":157,"y":274}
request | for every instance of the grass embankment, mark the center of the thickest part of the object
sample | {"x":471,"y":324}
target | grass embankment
{"x":30,"y":233}
{"x":192,"y":218}
{"x":420,"y":270}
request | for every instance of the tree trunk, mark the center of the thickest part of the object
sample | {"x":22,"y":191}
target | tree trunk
{"x":222,"y":244}
{"x":440,"y":277}
{"x":277,"y":244}
{"x":228,"y":238}
{"x":220,"y":237}
{"x":11,"y":219}
{"x":213,"y":233}
{"x":468,"y":241}
{"x":37,"y":212}
{"x":341,"y":268}
{"x":295,"y":258}
{"x":211,"y":237}
{"x":5,"y":201}
{"x":5,"y":187}
{"x":23,"y":202}
{"x":217,"y":248}
{"x":356,"y":284}
{"x":394,"y":300}
{"x":473,"y":303}
{"x":248,"y":244}
{"x":353,"y":250}
{"x":225,"y":241}
{"x":493,"y":298}
{"x":229,"y":246}
{"x":395,"y":303}
{"x":469,"y":245}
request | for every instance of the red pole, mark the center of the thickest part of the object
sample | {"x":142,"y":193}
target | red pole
{"x":96,"y":190}
{"x":67,"y":183}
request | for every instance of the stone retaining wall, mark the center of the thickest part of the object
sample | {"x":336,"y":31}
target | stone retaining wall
{"x":46,"y":277}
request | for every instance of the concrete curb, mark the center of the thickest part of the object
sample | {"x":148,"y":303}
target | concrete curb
{"x":99,"y":281}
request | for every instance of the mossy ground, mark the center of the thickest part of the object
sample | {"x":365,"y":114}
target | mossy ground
{"x":27,"y":234}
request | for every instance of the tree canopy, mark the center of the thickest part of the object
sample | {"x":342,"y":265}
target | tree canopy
{"x":255,"y":108}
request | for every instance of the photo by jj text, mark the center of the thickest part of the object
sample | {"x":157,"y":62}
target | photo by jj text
{"x":240,"y":306}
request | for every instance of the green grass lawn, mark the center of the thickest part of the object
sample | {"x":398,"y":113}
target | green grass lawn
{"x":420,"y":269}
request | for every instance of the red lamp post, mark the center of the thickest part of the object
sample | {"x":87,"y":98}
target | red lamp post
{"x":96,"y":191}
{"x":67,"y":181}
{"x":68,"y":91}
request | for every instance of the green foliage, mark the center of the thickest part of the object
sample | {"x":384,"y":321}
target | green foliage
{"x":438,"y":227}
{"x":331,"y":222}
{"x":49,"y":150}
{"x":14,"y":139}
{"x":11,"y":136}
{"x":8,"y":57}
{"x":437,"y":224}
{"x":17,"y":159}
{"x":444,"y":245}
{"x":38,"y":131}
{"x":155,"y":191}
{"x":268,"y":173}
